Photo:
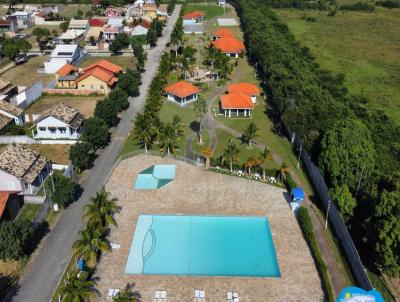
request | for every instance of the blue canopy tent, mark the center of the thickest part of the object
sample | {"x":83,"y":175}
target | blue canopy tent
{"x":297,"y":195}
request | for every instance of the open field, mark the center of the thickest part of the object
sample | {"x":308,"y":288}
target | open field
{"x":25,"y":74}
{"x":124,"y":62}
{"x":58,"y":154}
{"x":211,"y":10}
{"x":70,"y":10}
{"x":363,"y":46}
{"x":212,"y":194}
{"x":85,"y":104}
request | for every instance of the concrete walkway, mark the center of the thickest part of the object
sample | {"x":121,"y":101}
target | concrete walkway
{"x":50,"y":260}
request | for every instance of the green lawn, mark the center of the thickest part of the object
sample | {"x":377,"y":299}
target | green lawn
{"x":28,"y":211}
{"x":196,"y":147}
{"x":211,"y":10}
{"x":363,"y":46}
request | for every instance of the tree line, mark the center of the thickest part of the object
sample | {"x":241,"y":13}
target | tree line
{"x":357,"y":147}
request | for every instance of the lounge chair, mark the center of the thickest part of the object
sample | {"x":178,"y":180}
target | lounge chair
{"x":199,"y":295}
{"x":229,"y":296}
{"x":115,"y":246}
{"x":163,"y":296}
{"x":157,"y":296}
{"x":235,"y":297}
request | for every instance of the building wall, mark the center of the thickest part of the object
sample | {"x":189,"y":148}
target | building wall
{"x":51,"y":128}
{"x":93,"y":83}
{"x":9,"y":183}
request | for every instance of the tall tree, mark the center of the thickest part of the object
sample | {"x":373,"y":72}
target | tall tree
{"x":95,"y":132}
{"x":127,"y":295}
{"x":283,"y":170}
{"x":77,"y":288}
{"x":200,"y":110}
{"x":23,"y":45}
{"x":80,"y":155}
{"x":151,"y":37}
{"x":230,"y":154}
{"x":14,"y":236}
{"x":347,"y":154}
{"x":251,"y":133}
{"x":345,"y":202}
{"x":264,"y":156}
{"x":64,"y":190}
{"x":207,"y":153}
{"x":143,"y":131}
{"x":169,"y":139}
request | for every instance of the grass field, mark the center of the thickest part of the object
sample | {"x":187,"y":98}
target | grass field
{"x":211,"y":10}
{"x":25,"y":74}
{"x":28,"y":211}
{"x":71,"y":10}
{"x":58,"y":154}
{"x":124,"y":62}
{"x":85,"y":104}
{"x":363,"y":46}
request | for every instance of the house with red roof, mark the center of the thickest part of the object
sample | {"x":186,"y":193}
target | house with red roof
{"x":230,"y":46}
{"x":112,"y":12}
{"x":194,"y":17}
{"x":66,"y":76}
{"x":101,"y":75}
{"x":182,"y":92}
{"x":246,"y":88}
{"x":236,"y":105}
{"x":222,"y":32}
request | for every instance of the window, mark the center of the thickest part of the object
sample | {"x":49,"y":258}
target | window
{"x":92,"y":87}
{"x":52,"y":129}
{"x":62,"y":129}
{"x":42,"y":128}
{"x":101,"y":86}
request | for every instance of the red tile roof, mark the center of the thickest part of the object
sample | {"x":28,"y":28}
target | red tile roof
{"x":182,"y":89}
{"x":4,"y":22}
{"x":236,"y":101}
{"x":105,"y":65}
{"x":66,"y":69}
{"x":243,"y":87}
{"x":145,"y":23}
{"x":193,"y":15}
{"x":94,"y":22}
{"x":223,"y":32}
{"x":229,"y":45}
{"x":100,"y":73}
{"x":3,"y":201}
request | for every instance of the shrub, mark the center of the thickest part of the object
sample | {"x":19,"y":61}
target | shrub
{"x":120,"y":99}
{"x":64,"y":190}
{"x":107,"y":111}
{"x":359,"y":6}
{"x":290,"y":183}
{"x":80,"y":156}
{"x":14,"y":236}
{"x":95,"y":133}
{"x":309,"y":236}
{"x":388,"y":3}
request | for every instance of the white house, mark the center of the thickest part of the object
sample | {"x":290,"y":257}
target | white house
{"x":24,"y":19}
{"x":182,"y":92}
{"x":79,"y":24}
{"x":139,"y":30}
{"x":71,"y":36}
{"x":10,"y":112}
{"x":63,"y":54}
{"x":59,"y":122}
{"x":22,"y":170}
{"x":110,"y":32}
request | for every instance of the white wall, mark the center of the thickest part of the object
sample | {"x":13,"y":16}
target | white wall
{"x":53,"y":122}
{"x":9,"y":182}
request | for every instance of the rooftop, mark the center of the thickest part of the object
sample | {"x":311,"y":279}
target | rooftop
{"x":64,"y":113}
{"x":236,"y":101}
{"x":78,"y":23}
{"x":223,"y":32}
{"x":182,"y":89}
{"x":9,"y":108}
{"x":243,"y":87}
{"x":100,"y":73}
{"x":66,"y":69}
{"x":96,"y":22}
{"x":4,"y":120}
{"x":193,"y":15}
{"x":229,"y":45}
{"x":106,"y":65}
{"x":21,"y":162}
{"x":4,"y":84}
{"x":64,"y":50}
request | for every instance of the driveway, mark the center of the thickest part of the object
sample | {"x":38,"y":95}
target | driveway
{"x":50,"y":260}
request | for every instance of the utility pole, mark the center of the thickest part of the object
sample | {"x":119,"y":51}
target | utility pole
{"x":298,"y":160}
{"x":327,"y":214}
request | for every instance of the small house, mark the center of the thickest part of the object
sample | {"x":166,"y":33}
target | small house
{"x":236,"y":105}
{"x":66,"y":76}
{"x":24,"y":19}
{"x":59,"y":122}
{"x":22,"y":170}
{"x":230,"y":46}
{"x":112,"y":12}
{"x":194,"y":17}
{"x":149,"y":9}
{"x":246,"y":88}
{"x":10,"y":113}
{"x":7,"y":90}
{"x":139,"y":30}
{"x":63,"y":54}
{"x":182,"y":92}
{"x":78,"y":25}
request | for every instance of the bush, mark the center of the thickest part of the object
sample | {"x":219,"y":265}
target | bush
{"x":64,"y":190}
{"x":309,"y":236}
{"x":290,"y":183}
{"x":359,"y":6}
{"x":388,"y":4}
{"x":130,"y":82}
{"x":120,"y":99}
{"x":14,"y":236}
{"x":95,"y":133}
{"x":80,"y":155}
{"x":107,"y":111}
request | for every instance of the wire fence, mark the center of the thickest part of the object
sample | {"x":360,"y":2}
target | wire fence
{"x":334,"y":218}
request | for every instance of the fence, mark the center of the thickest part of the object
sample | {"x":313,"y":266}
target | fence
{"x":73,"y":91}
{"x":334,"y":218}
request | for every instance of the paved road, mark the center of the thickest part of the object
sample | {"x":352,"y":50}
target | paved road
{"x":50,"y":260}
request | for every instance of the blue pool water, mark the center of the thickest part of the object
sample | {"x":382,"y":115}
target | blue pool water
{"x":202,"y":245}
{"x":155,"y":177}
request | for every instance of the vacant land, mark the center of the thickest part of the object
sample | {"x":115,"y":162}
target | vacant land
{"x":71,"y":10}
{"x":58,"y":154}
{"x":25,"y":74}
{"x":363,"y":46}
{"x":124,"y":62}
{"x":85,"y":104}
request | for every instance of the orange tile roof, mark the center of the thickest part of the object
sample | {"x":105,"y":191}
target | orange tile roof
{"x":149,"y":7}
{"x":105,"y":65}
{"x":243,"y":87}
{"x":236,"y":101}
{"x":100,"y":73}
{"x":229,"y":45}
{"x":182,"y":89}
{"x":3,"y":201}
{"x":66,"y":69}
{"x":193,"y":15}
{"x":223,"y":32}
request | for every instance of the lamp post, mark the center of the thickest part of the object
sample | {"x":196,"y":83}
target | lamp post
{"x":327,"y":214}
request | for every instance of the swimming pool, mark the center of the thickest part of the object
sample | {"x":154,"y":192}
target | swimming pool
{"x":155,"y":177}
{"x":202,"y":245}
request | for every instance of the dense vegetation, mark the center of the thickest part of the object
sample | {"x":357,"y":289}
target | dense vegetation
{"x":356,"y":146}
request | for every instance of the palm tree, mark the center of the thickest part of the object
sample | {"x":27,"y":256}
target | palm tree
{"x":251,"y":163}
{"x":200,"y":109}
{"x":100,"y":212}
{"x":283,"y":170}
{"x":179,"y":125}
{"x":263,"y":157}
{"x":90,"y":245}
{"x":207,"y":153}
{"x":78,"y":288}
{"x":230,"y":153}
{"x":168,"y":139}
{"x":143,"y":131}
{"x":127,"y":295}
{"x":251,"y":133}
